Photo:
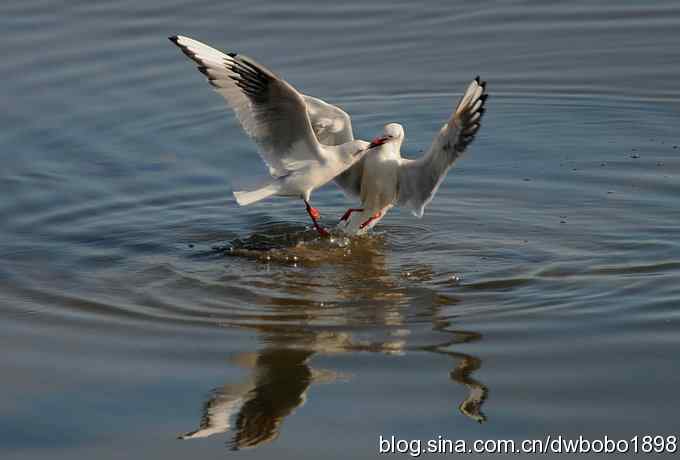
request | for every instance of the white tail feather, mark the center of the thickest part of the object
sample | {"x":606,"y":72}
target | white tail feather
{"x":245,"y":198}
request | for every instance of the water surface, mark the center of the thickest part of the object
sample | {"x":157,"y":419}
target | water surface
{"x":539,"y":293}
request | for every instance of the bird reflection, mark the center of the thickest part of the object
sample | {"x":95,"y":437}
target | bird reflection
{"x":372,"y":311}
{"x":255,"y":409}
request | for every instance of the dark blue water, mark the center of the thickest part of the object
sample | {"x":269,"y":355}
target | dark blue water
{"x":538,"y":295}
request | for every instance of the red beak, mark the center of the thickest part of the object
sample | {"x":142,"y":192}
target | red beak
{"x":377,"y":141}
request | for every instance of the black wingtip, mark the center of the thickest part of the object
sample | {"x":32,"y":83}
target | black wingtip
{"x":174,"y":39}
{"x":477,"y":79}
{"x":233,"y":55}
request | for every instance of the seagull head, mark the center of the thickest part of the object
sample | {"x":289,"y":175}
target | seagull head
{"x":392,"y":132}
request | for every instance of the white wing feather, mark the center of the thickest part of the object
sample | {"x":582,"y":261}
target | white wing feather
{"x":419,"y":179}
{"x":271,"y":111}
{"x":333,"y":126}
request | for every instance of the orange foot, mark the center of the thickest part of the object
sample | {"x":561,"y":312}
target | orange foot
{"x":314,"y":213}
{"x":371,"y":219}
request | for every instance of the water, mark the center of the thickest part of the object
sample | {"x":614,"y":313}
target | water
{"x":538,"y":295}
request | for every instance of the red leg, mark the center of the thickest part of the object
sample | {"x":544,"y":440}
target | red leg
{"x":314,"y":214}
{"x":371,"y":219}
{"x":346,"y":215}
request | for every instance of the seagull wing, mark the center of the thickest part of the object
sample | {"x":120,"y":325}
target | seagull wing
{"x":350,"y":180}
{"x":419,"y":179}
{"x":333,"y":126}
{"x":271,"y":111}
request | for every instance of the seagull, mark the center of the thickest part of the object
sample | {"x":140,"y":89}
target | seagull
{"x":383,"y":179}
{"x":277,"y":117}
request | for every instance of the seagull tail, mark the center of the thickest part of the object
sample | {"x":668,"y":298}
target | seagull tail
{"x":244,"y":198}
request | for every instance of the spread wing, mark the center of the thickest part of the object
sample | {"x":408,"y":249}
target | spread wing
{"x":271,"y":111}
{"x":333,"y":126}
{"x":419,"y":179}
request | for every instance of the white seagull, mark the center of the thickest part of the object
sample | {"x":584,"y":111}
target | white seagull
{"x":277,"y":117}
{"x":383,"y":179}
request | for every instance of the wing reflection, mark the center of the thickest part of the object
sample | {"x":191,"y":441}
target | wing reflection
{"x":471,"y":407}
{"x":282,"y":378}
{"x":466,"y":365}
{"x":255,"y":409}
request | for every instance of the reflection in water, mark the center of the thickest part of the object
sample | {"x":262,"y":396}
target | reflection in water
{"x":277,"y":384}
{"x":280,"y":373}
{"x":472,"y":405}
{"x":466,"y":365}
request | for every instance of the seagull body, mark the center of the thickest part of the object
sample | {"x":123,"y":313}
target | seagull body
{"x":383,"y":179}
{"x":379,"y":179}
{"x":276,"y":116}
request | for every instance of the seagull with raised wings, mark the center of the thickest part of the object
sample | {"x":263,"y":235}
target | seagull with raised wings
{"x":383,"y":179}
{"x":275,"y":116}
{"x":307,"y":142}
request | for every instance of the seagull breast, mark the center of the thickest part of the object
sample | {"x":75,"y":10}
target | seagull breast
{"x":379,"y":181}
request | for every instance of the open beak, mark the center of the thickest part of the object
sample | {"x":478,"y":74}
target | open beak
{"x":378,"y":141}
